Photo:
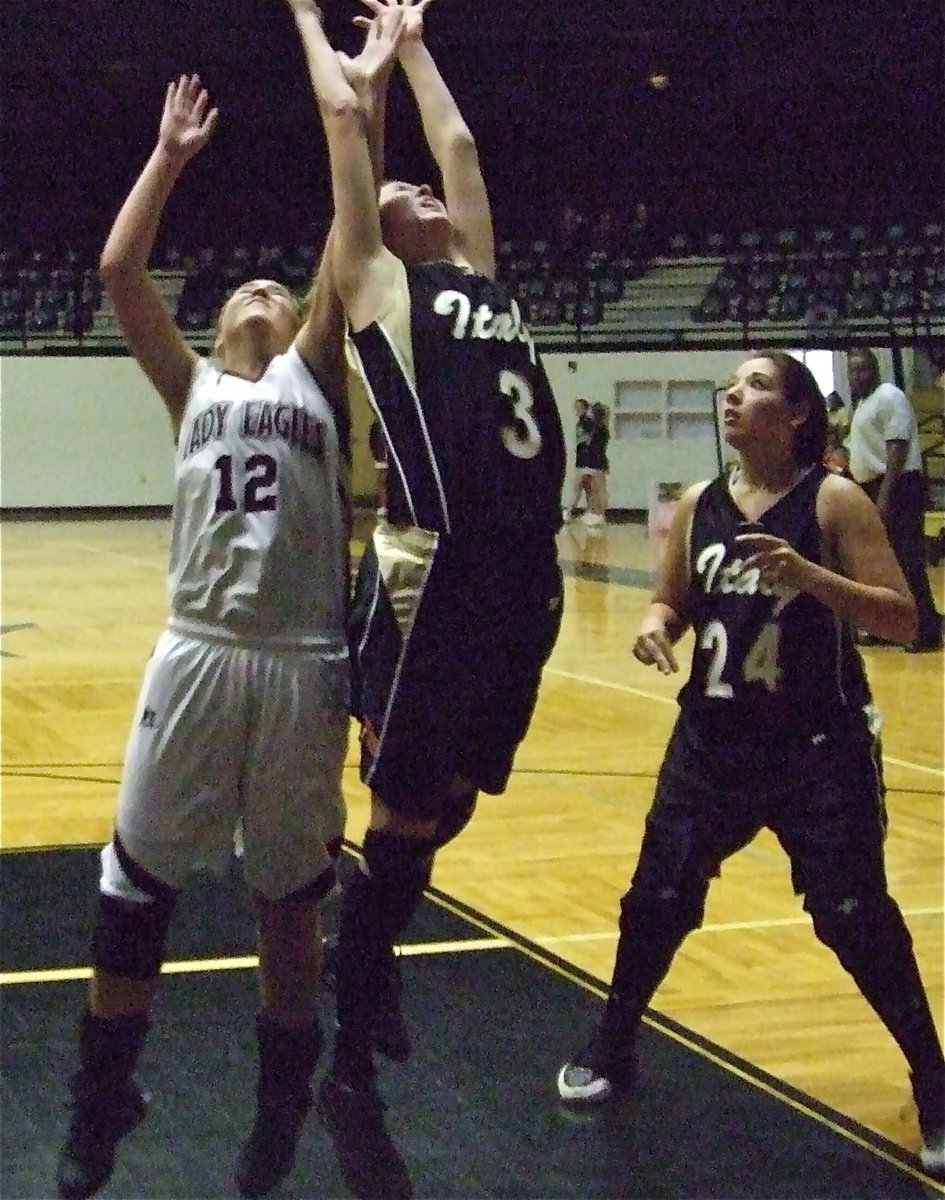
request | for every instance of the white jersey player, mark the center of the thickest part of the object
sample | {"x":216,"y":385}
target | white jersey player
{"x":242,"y":720}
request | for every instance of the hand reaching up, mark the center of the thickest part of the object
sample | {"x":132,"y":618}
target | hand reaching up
{"x":186,"y":125}
{"x":374,"y":63}
{"x":412,"y":10}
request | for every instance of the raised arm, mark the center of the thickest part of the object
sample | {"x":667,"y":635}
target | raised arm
{"x":320,"y":341}
{"x":450,"y":140}
{"x":146,"y":322}
{"x":363,"y":268}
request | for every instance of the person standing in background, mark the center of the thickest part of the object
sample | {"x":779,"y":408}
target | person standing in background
{"x":600,"y":441}
{"x":838,"y":433}
{"x":886,"y":460}
{"x":583,"y":472}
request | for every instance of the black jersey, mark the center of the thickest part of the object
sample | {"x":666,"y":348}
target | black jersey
{"x":475,"y":444}
{"x":584,"y":436}
{"x":597,"y":451}
{"x":769,"y":661}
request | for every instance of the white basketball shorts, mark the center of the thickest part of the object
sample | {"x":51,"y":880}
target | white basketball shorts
{"x":226,"y":737}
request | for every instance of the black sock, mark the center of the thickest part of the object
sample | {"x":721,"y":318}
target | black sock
{"x":378,"y":904}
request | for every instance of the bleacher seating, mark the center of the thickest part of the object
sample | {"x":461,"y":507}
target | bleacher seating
{"x":831,"y":286}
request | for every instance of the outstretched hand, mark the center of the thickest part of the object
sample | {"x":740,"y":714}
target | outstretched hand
{"x":376,"y":59}
{"x":412,"y":11}
{"x":186,"y":125}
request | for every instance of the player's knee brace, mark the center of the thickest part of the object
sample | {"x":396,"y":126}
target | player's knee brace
{"x":666,"y":913}
{"x":129,"y":936}
{"x":457,"y":813}
{"x":859,"y":927}
{"x":379,"y":901}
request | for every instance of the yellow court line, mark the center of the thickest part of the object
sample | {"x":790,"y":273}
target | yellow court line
{"x":414,"y":950}
{"x":248,"y":962}
{"x":632,"y":691}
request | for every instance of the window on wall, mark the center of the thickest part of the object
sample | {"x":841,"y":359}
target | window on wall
{"x":664,"y":409}
{"x":820,"y":365}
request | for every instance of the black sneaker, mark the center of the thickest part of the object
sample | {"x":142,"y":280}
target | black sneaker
{"x":88,"y":1157}
{"x":268,"y":1154}
{"x":930,"y":1101}
{"x":369,"y":1160}
{"x":598,"y":1073}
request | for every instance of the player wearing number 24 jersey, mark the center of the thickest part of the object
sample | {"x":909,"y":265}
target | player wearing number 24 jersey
{"x":766,"y":654}
{"x":772,"y":566}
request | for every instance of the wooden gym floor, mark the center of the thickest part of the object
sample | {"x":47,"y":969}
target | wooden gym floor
{"x":84,"y":600}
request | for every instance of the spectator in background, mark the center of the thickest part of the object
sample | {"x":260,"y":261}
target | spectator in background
{"x":886,"y":460}
{"x":838,"y":433}
{"x":583,"y":470}
{"x":600,"y":441}
{"x":571,"y":241}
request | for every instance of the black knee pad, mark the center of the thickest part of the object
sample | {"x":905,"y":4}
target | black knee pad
{"x":378,"y":903}
{"x":398,"y":863}
{"x":382,"y":896}
{"x":670,"y":911}
{"x":456,"y":815}
{"x":129,"y":937}
{"x":859,"y":926}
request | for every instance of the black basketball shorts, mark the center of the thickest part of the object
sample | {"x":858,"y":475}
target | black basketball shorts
{"x":448,"y":642}
{"x":822,"y":796}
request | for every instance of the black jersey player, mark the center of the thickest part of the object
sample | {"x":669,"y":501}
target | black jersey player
{"x":458,"y":599}
{"x":772,"y":567}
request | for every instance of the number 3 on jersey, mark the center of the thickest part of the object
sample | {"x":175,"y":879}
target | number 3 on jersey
{"x":760,"y":665}
{"x":524,"y":438}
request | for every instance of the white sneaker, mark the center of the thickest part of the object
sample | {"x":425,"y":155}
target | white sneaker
{"x":593,"y":519}
{"x":930,"y":1102}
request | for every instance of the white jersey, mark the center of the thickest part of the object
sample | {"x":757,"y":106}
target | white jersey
{"x":259,"y":550}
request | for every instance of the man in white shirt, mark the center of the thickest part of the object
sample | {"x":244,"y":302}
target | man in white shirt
{"x":886,"y":460}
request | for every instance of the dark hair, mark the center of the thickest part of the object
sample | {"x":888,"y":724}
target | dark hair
{"x":801,"y":389}
{"x":869,"y":358}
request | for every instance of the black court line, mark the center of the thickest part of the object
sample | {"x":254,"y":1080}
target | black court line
{"x":474,"y":1114}
{"x":13,"y":629}
{"x":603,"y":573}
